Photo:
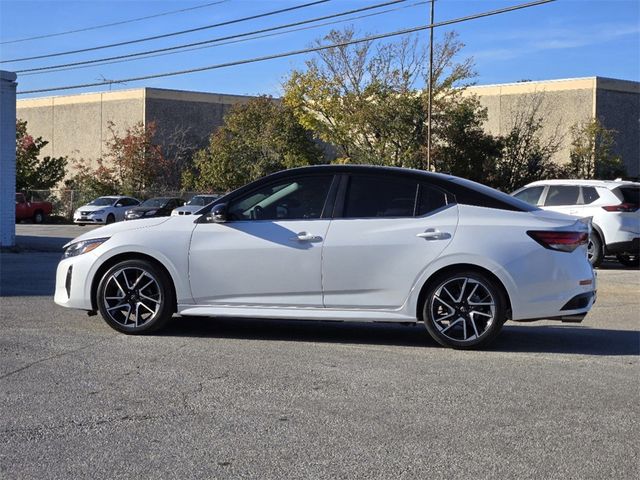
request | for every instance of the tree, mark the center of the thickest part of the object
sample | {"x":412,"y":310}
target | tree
{"x":461,"y":146}
{"x":33,"y":172}
{"x":368,"y":102}
{"x":528,"y":154}
{"x":591,"y":153}
{"x":138,"y":163}
{"x":257,"y":138}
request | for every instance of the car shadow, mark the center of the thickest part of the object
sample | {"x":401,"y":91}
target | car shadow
{"x":513,"y":338}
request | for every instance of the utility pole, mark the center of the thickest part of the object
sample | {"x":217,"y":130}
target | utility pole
{"x":430,"y":107}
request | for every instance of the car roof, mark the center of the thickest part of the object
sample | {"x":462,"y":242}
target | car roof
{"x":610,"y":184}
{"x":350,"y":168}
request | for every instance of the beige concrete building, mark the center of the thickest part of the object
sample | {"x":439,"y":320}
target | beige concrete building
{"x":563,"y":103}
{"x":77,"y":126}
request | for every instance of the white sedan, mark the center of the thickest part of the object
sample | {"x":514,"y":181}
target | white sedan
{"x":104,"y":210}
{"x":350,"y":243}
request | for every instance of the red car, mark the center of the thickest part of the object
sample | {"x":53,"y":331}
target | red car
{"x":34,"y":210}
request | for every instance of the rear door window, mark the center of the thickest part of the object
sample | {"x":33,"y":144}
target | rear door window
{"x":370,"y":196}
{"x":562,"y":195}
{"x":429,"y":200}
{"x":530,"y":195}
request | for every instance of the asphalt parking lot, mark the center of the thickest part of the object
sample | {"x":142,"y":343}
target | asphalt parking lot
{"x":211,"y":398}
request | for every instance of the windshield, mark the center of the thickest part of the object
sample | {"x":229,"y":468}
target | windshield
{"x":154,"y":202}
{"x":201,"y":200}
{"x":103,"y":202}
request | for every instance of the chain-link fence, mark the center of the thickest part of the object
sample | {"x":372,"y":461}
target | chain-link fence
{"x":65,"y":201}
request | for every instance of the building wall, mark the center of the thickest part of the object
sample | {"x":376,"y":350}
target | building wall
{"x":197,"y":114}
{"x":563,"y":103}
{"x":77,"y":126}
{"x":618,"y":108}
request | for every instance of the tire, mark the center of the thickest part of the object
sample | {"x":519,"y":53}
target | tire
{"x":80,"y":224}
{"x":595,"y":250}
{"x":38,"y":217}
{"x":464,"y":309}
{"x":144,"y":293}
{"x":629,"y":259}
{"x":110,"y":219}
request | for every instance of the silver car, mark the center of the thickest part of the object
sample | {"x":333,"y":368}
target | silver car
{"x":195,"y":204}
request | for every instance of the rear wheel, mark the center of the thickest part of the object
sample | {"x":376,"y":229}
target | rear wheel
{"x":38,"y":217}
{"x":595,"y":252}
{"x":629,"y":259}
{"x":464,"y":310}
{"x":135,"y":297}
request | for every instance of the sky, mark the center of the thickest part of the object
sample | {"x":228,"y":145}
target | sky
{"x":563,"y":39}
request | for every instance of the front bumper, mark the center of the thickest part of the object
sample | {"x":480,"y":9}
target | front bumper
{"x":90,"y":219}
{"x":72,"y":288}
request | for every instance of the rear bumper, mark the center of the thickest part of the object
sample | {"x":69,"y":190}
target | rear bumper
{"x":631,"y":246}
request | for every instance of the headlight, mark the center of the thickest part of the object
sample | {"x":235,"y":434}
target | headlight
{"x":97,"y":212}
{"x":84,"y":246}
{"x":151,"y":212}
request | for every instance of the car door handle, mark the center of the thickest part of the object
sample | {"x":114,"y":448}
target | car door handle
{"x":306,"y":237}
{"x":432,"y":234}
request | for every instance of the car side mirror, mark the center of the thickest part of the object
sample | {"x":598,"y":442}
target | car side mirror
{"x":219,"y":213}
{"x":119,"y":205}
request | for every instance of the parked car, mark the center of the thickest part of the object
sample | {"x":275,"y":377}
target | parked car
{"x":154,"y":207}
{"x":31,"y":209}
{"x":196,"y":203}
{"x":104,"y":210}
{"x":340,"y":242}
{"x":613,"y":205}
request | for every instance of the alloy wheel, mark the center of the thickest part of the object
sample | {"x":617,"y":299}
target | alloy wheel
{"x":132,"y":297}
{"x":463,"y":309}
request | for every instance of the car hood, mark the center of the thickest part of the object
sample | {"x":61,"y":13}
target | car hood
{"x":143,"y":209}
{"x":112,"y":229}
{"x":92,"y":208}
{"x":188,"y":208}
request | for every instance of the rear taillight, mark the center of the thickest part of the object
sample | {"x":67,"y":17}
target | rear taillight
{"x":562,"y":241}
{"x":623,"y":207}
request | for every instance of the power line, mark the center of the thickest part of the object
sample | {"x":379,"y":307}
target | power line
{"x":302,"y":51}
{"x":214,"y":40}
{"x":172,"y":34}
{"x":105,"y":25}
{"x":256,"y":37}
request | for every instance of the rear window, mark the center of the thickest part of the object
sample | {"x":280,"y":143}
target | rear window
{"x":472,"y":193}
{"x":629,"y":194}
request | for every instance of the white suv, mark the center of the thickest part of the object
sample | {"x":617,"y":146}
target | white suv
{"x":613,"y":205}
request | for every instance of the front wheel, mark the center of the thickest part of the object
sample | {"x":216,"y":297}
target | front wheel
{"x":464,"y":310}
{"x":110,"y":218}
{"x":38,"y":217}
{"x":135,"y":297}
{"x":629,"y":259}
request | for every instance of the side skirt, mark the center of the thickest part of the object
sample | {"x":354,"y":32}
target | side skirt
{"x":295,"y":313}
